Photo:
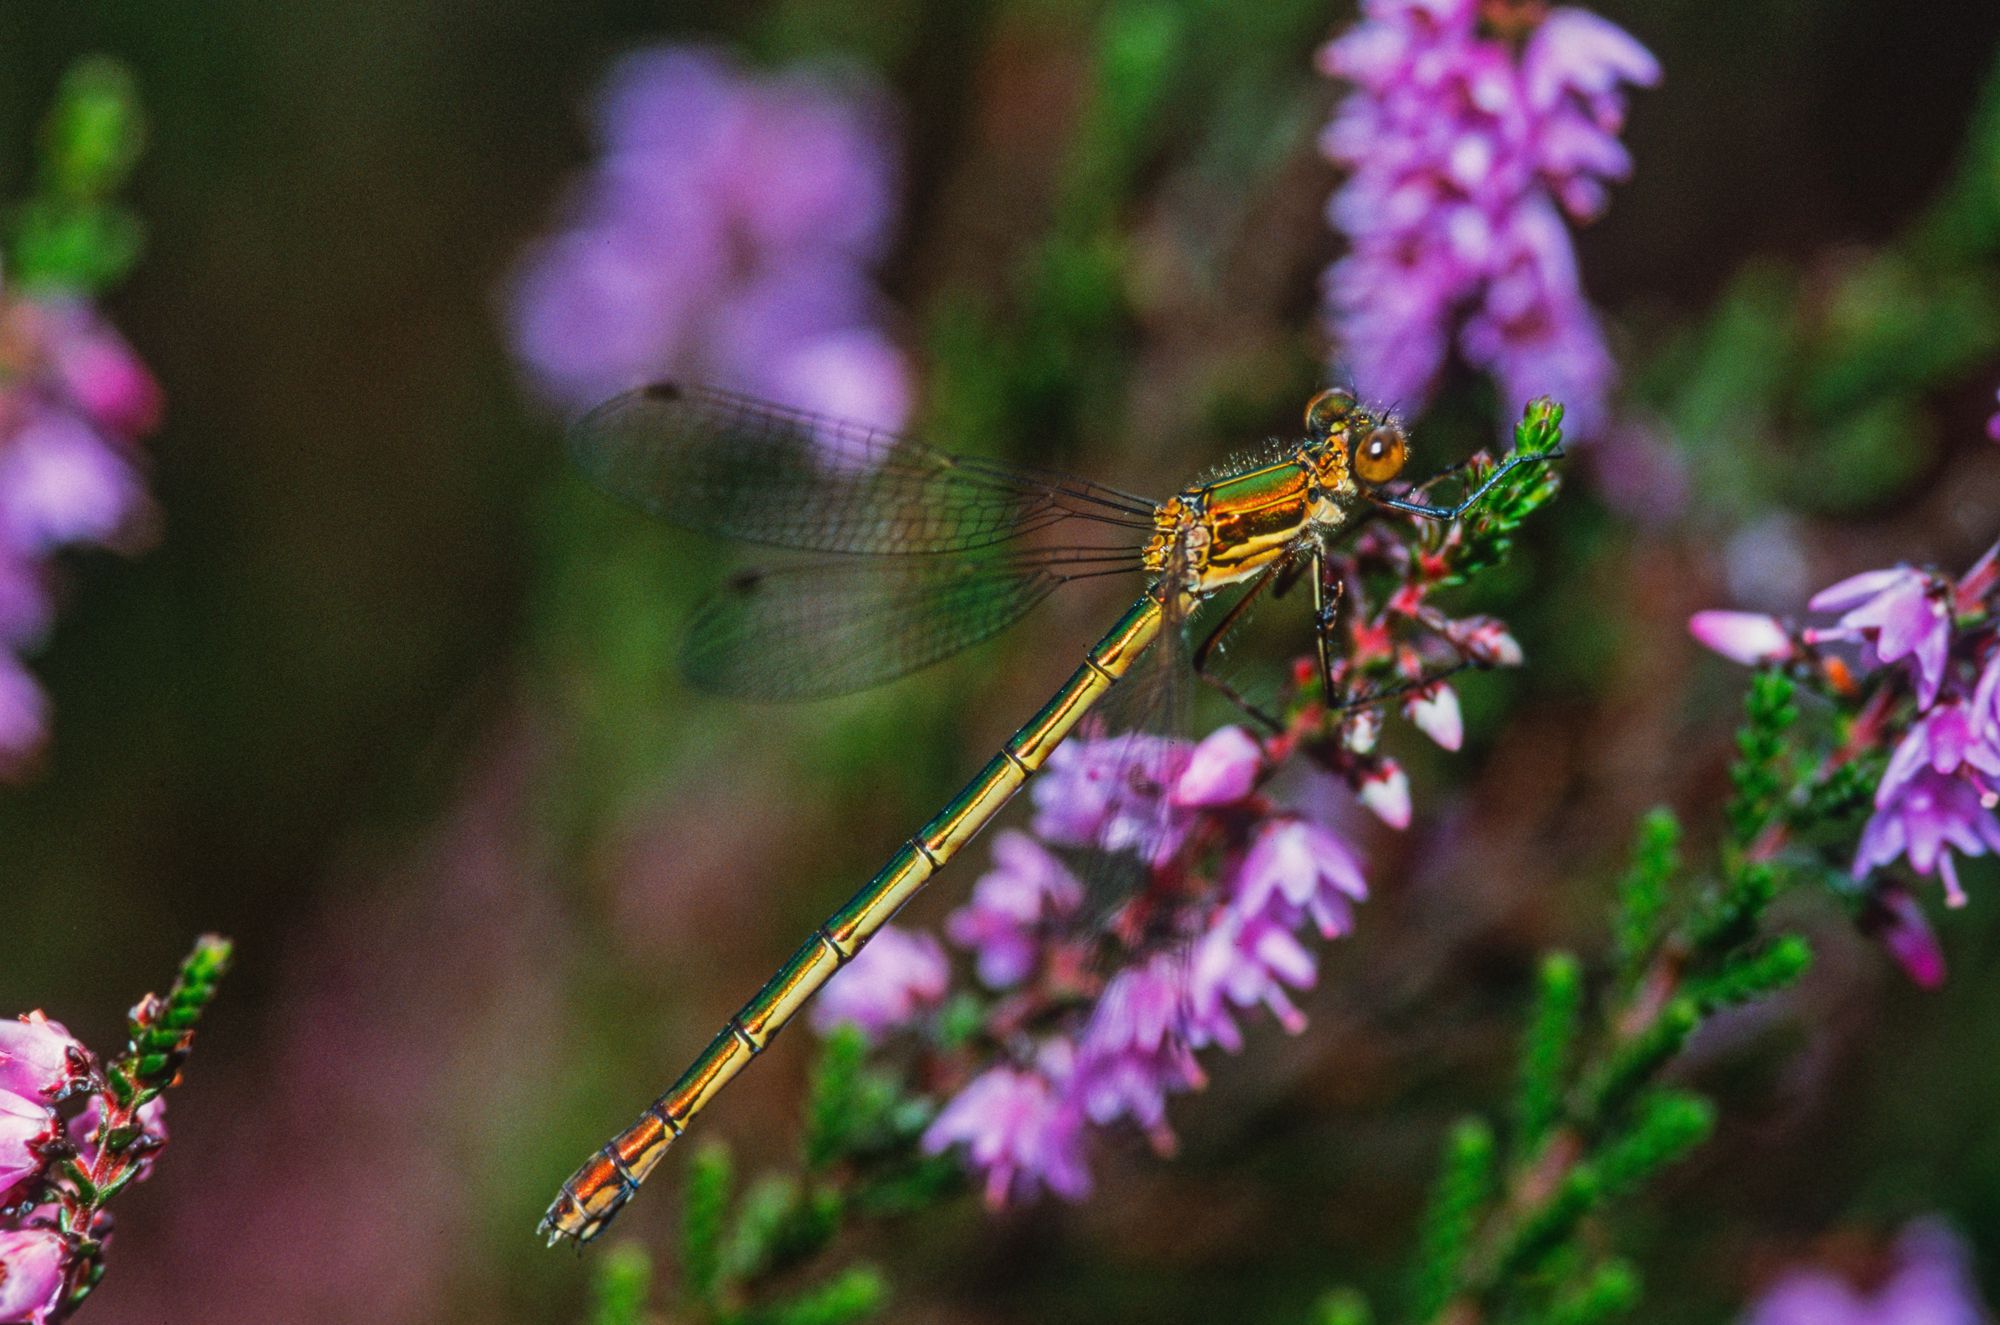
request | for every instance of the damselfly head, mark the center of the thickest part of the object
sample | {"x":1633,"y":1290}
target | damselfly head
{"x":1379,"y":454}
{"x":1376,"y":445}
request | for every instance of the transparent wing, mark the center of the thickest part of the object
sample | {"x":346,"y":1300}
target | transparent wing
{"x":725,"y":464}
{"x":830,"y":627}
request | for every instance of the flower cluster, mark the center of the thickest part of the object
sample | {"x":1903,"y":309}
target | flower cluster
{"x":74,"y":403}
{"x":1933,"y":643}
{"x":725,"y":233}
{"x":1474,"y":127}
{"x":74,"y":1131}
{"x":1930,"y":1283}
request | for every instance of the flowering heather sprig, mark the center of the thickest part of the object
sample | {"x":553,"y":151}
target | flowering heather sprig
{"x":726,"y":233}
{"x":1913,"y":659}
{"x":1474,"y":127}
{"x":1929,"y":1282}
{"x":74,"y":399}
{"x":57,"y":1173}
{"x":1092,"y":1007}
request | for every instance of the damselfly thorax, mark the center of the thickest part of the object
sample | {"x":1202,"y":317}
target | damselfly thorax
{"x":919,"y":554}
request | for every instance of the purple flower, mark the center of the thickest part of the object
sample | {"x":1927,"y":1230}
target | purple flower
{"x":24,"y":715}
{"x":26,"y":1126}
{"x":1993,"y":427}
{"x":1296,"y":870}
{"x":1222,"y":770}
{"x":40,"y":1059}
{"x":33,"y":1262}
{"x":1899,"y":613}
{"x":1012,"y":906}
{"x":1463,"y":155}
{"x":1020,"y":1129}
{"x":898,"y":975}
{"x":1243,"y":963}
{"x":1927,"y":817}
{"x":1135,"y":1049}
{"x":1892,"y":917}
{"x":725,"y":233}
{"x":1750,"y":638}
{"x":1111,"y":794}
{"x":1932,"y":1284}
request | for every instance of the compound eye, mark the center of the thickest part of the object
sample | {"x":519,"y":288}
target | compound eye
{"x":1327,"y":410}
{"x":1380,"y":455}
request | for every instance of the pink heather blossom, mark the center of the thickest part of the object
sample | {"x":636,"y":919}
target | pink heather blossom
{"x":25,"y":1127}
{"x":1134,"y":1050}
{"x":1750,"y":638}
{"x":1932,"y":1284}
{"x":1435,"y":711}
{"x":1894,"y":919}
{"x":1386,"y":792}
{"x":1109,"y":794}
{"x":1900,"y":613}
{"x":1486,"y":641}
{"x":74,"y":401}
{"x":1244,"y":962}
{"x":32,"y":1265}
{"x":1021,"y":1130}
{"x":40,"y":1059}
{"x":1222,"y":770}
{"x":898,"y":975}
{"x":726,"y":233}
{"x":1926,"y":818}
{"x":1464,"y":151}
{"x":1993,"y":427}
{"x":1012,"y":906}
{"x":1297,"y":869}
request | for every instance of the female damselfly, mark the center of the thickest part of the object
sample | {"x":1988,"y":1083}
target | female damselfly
{"x":922,"y":553}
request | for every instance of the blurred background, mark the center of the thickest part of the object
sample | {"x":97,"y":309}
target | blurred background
{"x":393,"y":700}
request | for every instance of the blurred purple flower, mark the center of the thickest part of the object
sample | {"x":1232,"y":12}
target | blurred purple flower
{"x":1750,"y":638}
{"x":1931,"y":1284}
{"x":40,"y":1059}
{"x":725,"y":233}
{"x":1300,"y":871}
{"x":898,"y":975}
{"x":1111,"y":793}
{"x":1012,"y":907}
{"x":1135,"y":1050}
{"x":1222,"y":769}
{"x":1021,"y":1129}
{"x":33,"y":1262}
{"x":1465,"y":147}
{"x":26,"y":1126}
{"x":1925,"y":818}
{"x":1241,"y":963}
{"x":74,"y":400}
{"x":1899,"y":613}
{"x":1993,"y":427}
{"x":1892,"y":917}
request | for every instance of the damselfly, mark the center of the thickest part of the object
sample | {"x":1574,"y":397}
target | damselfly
{"x":920,"y":554}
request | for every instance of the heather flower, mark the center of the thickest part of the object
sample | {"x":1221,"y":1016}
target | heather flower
{"x":1012,"y":906}
{"x":1385,"y":790}
{"x":897,"y":976}
{"x":33,"y":1262}
{"x":1891,"y":916}
{"x":1900,"y":613}
{"x":1750,"y":638}
{"x":1926,"y":818}
{"x":1246,"y":962}
{"x":39,"y":1059}
{"x":74,"y":402}
{"x":26,"y":1126}
{"x":1222,"y":770}
{"x":1993,"y":427}
{"x":1110,"y":794}
{"x":1465,"y":149}
{"x":1296,"y":870}
{"x":1134,"y":1051}
{"x":151,"y":1120}
{"x":1435,"y":711}
{"x":1021,"y":1130}
{"x":725,"y":233}
{"x":1931,"y":1284}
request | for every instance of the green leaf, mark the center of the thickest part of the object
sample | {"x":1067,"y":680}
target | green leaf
{"x":620,"y":1286}
{"x":855,"y":1294}
{"x":1546,"y":1054}
{"x":1643,"y":892}
{"x":1754,"y":975}
{"x":1665,"y":1125}
{"x":1640,"y":1058}
{"x":1611,"y":1291}
{"x":1343,"y":1306}
{"x":704,"y":1214}
{"x":1464,"y":1184}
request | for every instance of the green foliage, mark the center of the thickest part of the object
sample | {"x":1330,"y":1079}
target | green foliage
{"x":1752,"y":976}
{"x":1486,"y":535}
{"x":1546,"y":1054}
{"x":73,"y":235}
{"x":1759,"y":775}
{"x":704,"y":1220}
{"x":1642,"y":891}
{"x":1343,"y":1306}
{"x":1464,"y":1185}
{"x":854,"y":1294}
{"x":621,"y":1285}
{"x":1610,"y":1291}
{"x":1664,"y":1126}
